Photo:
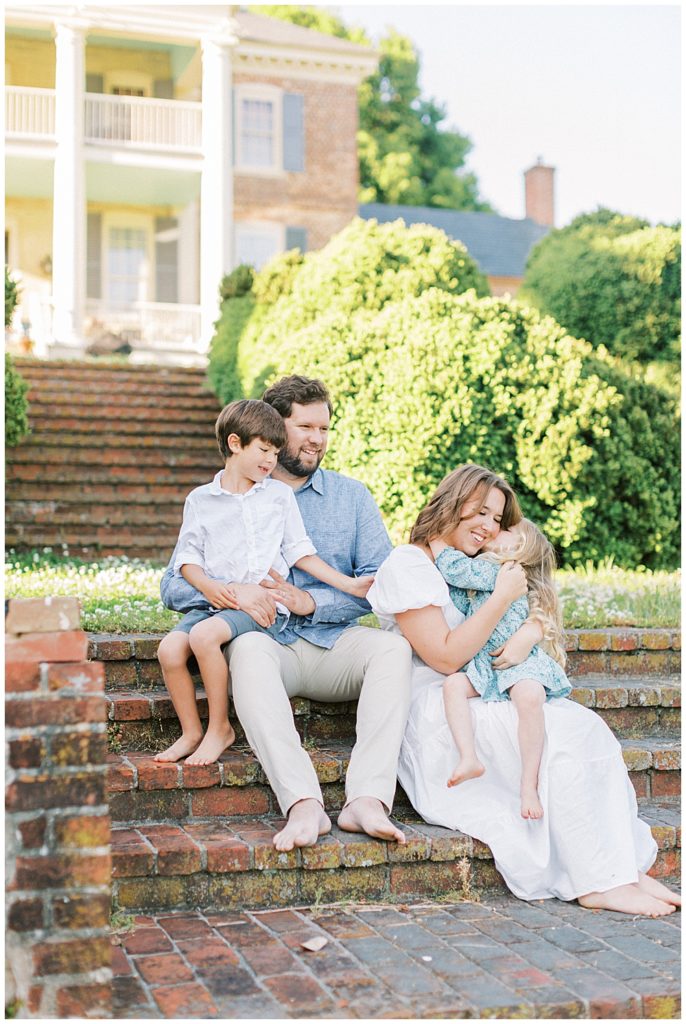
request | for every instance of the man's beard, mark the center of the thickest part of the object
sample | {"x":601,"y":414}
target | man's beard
{"x":293,"y":465}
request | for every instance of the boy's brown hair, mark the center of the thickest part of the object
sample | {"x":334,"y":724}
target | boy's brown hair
{"x":301,"y":390}
{"x":249,"y":418}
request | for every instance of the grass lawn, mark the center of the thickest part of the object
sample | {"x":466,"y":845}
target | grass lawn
{"x":119,"y":595}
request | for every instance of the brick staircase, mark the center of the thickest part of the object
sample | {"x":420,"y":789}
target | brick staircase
{"x":112,"y":453}
{"x":186,"y":837}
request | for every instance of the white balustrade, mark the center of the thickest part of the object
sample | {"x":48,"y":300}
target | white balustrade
{"x":142,"y":122}
{"x":29,"y":113}
{"x":150,"y":325}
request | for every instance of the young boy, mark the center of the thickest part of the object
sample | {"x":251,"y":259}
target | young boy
{"x":235,"y":529}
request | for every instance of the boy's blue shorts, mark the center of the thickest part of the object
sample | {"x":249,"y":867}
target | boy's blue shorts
{"x":238,"y":621}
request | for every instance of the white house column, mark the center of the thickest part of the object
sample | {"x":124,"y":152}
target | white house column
{"x":69,"y":203}
{"x":216,"y":189}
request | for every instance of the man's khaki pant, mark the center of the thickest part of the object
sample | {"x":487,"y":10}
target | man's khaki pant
{"x":370,"y":665}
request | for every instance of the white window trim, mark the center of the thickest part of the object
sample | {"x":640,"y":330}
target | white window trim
{"x":268,"y":229}
{"x":274,"y":95}
{"x":141,"y":222}
{"x":127,"y":80}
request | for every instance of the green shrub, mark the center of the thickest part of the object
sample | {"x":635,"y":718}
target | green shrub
{"x":612,"y":280}
{"x":237,"y":283}
{"x":16,"y":406}
{"x":11,"y":296}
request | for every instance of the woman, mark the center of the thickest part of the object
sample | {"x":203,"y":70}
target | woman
{"x":589,"y":844}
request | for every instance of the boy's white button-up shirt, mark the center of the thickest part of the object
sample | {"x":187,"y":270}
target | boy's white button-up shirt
{"x":238,"y":538}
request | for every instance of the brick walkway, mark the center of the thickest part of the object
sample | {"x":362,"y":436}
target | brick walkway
{"x":499,"y":958}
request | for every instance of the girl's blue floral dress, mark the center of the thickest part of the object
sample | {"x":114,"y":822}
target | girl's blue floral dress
{"x":477,"y":575}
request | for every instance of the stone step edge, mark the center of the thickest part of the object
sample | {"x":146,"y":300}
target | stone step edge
{"x":143,"y":646}
{"x":49,"y":366}
{"x":129,"y":772}
{"x":245,"y":844}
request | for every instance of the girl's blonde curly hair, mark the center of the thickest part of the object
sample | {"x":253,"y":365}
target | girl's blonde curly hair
{"x":536,"y":555}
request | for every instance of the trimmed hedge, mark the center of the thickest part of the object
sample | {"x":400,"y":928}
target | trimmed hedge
{"x":16,"y":406}
{"x":612,"y":280}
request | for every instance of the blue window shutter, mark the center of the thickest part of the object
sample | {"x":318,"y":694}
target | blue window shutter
{"x":234,"y":134}
{"x":293,"y":131}
{"x":296,"y":238}
{"x":93,"y":257}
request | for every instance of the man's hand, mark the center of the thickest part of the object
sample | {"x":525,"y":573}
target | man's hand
{"x":300,"y":602}
{"x":220,"y":595}
{"x":256,"y":602}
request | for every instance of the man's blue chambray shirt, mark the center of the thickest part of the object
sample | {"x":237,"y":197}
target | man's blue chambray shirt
{"x":345,"y":526}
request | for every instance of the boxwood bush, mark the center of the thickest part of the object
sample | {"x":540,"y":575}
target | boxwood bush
{"x":16,"y":406}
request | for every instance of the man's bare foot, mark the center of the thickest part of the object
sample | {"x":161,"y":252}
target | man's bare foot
{"x":306,"y":823}
{"x":466,"y":769}
{"x":627,"y":899}
{"x":184,"y":746}
{"x":213,"y":745}
{"x":658,"y":890}
{"x":367,"y":814}
{"x":531,"y":806}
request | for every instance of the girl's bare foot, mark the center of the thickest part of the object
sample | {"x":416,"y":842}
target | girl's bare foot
{"x":367,"y":814}
{"x":627,"y":899}
{"x":531,"y":806}
{"x":306,"y":823}
{"x":184,"y":746}
{"x":213,"y":745}
{"x":658,"y":890}
{"x":466,"y":769}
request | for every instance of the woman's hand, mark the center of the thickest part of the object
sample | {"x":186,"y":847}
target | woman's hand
{"x":300,"y":602}
{"x":510,"y":582}
{"x":518,"y":648}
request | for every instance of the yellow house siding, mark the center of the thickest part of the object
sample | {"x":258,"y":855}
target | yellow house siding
{"x":102,"y":60}
{"x":29,"y":221}
{"x":30,"y":62}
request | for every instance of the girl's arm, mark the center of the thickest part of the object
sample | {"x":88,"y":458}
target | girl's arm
{"x":518,"y":648}
{"x":447,"y":650}
{"x":321,"y":570}
{"x":466,"y":573}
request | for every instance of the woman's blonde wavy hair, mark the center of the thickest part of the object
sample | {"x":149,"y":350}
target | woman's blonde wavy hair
{"x":444,"y":510}
{"x":536,"y":555}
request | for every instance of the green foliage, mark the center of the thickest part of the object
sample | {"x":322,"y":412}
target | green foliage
{"x":11,"y":296}
{"x":16,"y":406}
{"x":406,"y":154}
{"x":221,"y":371}
{"x":613,"y":280}
{"x":238,"y":282}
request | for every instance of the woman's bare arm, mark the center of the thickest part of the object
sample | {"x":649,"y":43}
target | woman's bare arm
{"x":447,"y":650}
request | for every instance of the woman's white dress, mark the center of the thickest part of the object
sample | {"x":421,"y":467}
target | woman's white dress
{"x":590,"y":837}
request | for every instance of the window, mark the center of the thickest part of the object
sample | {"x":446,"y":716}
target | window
{"x":127,"y":264}
{"x":257,"y":132}
{"x":256,"y":244}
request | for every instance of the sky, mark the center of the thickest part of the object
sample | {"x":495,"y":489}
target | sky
{"x":593,"y":89}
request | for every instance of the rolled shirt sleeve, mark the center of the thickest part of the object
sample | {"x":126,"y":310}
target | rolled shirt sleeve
{"x":190,"y":547}
{"x":296,"y":544}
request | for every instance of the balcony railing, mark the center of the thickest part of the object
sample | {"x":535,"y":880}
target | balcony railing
{"x":130,"y":121}
{"x":150,"y":325}
{"x":30,"y":113}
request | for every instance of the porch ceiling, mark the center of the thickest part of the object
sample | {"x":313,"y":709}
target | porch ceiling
{"x":28,"y":178}
{"x":122,"y":183}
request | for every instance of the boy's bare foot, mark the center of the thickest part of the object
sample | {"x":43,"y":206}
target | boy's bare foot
{"x":306,"y":823}
{"x":367,"y":814}
{"x":466,"y":769}
{"x":658,"y":890}
{"x":531,"y":806}
{"x":213,"y":745}
{"x":184,"y":746}
{"x":627,"y":899}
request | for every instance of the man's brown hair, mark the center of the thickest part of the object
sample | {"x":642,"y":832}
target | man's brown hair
{"x":302,"y":390}
{"x":249,"y":418}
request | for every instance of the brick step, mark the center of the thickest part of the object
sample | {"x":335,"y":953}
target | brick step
{"x":92,"y":400}
{"x":184,"y":478}
{"x":231,"y":864}
{"x":108,"y":459}
{"x":42,"y":437}
{"x":63,"y":513}
{"x":115,"y":409}
{"x":38,"y":491}
{"x":103,"y":541}
{"x":97,"y":384}
{"x":67,"y":369}
{"x":99,"y":431}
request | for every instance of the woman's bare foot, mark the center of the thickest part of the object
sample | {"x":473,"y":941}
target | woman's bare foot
{"x":531,"y":806}
{"x":367,"y":814}
{"x":658,"y":890}
{"x":466,"y":769}
{"x":306,"y":823}
{"x":184,"y":746}
{"x":213,"y":745}
{"x":627,"y":899}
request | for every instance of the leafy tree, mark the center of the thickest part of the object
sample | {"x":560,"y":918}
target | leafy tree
{"x":613,"y":280}
{"x":406,"y":154}
{"x":16,"y":406}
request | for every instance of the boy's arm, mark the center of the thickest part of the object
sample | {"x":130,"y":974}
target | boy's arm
{"x":467,"y":573}
{"x":317,"y":567}
{"x":220,"y":595}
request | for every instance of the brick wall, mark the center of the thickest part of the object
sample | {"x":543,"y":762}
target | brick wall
{"x":322,"y":198}
{"x":57,"y":836}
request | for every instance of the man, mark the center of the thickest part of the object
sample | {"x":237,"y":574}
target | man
{"x":327,"y":656}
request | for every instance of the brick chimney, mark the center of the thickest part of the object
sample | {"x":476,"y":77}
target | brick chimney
{"x":539,"y":191}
